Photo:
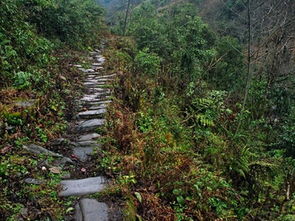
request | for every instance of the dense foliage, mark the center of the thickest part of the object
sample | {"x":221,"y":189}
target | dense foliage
{"x":188,"y":145}
{"x":39,"y":40}
{"x":27,"y":31}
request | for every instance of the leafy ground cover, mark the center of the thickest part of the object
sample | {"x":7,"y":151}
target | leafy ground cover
{"x":175,"y":151}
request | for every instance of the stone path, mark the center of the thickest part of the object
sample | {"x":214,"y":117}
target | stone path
{"x":93,"y":106}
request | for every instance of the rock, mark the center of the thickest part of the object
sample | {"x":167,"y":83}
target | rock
{"x":100,"y":59}
{"x":91,"y":210}
{"x":91,"y":76}
{"x":89,"y":70}
{"x":62,"y":161}
{"x":86,"y":126}
{"x":86,"y":70}
{"x":91,"y":113}
{"x":99,"y":89}
{"x":100,"y":80}
{"x":99,"y":102}
{"x":98,"y":67}
{"x":96,"y":64}
{"x":33,"y":181}
{"x":93,"y":53}
{"x":41,"y":150}
{"x":90,"y":136}
{"x":90,"y":104}
{"x":89,"y":143}
{"x":82,"y":153}
{"x":77,"y":65}
{"x":98,"y":107}
{"x":110,"y":76}
{"x":94,"y":84}
{"x":91,"y":97}
{"x":82,"y":186}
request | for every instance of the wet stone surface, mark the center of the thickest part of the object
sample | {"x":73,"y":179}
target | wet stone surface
{"x":83,"y":153}
{"x":89,"y":125}
{"x":93,"y":105}
{"x":91,"y":210}
{"x":88,"y":137}
{"x":97,"y":107}
{"x":91,"y":113}
{"x":82,"y":186}
{"x":38,"y":150}
{"x":33,"y":181}
{"x":89,"y":143}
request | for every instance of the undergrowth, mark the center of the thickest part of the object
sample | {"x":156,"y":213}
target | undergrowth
{"x":176,"y":155}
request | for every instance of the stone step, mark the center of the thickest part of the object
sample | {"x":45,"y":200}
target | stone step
{"x":86,"y":70}
{"x":97,"y":107}
{"x":89,"y":125}
{"x":91,"y":114}
{"x":82,"y":187}
{"x":98,"y":89}
{"x":91,"y":210}
{"x":83,"y":153}
{"x":111,"y":76}
{"x":96,"y":80}
{"x":92,"y":97}
{"x":87,"y":137}
{"x":87,"y":143}
{"x":89,"y":105}
{"x":94,"y":85}
{"x":96,"y":64}
{"x":93,"y":101}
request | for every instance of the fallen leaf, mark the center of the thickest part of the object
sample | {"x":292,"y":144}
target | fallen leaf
{"x":55,"y":170}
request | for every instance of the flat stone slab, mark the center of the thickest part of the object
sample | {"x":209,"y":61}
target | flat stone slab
{"x":38,"y":150}
{"x":89,"y":70}
{"x":90,"y":136}
{"x":82,"y":153}
{"x":93,"y":53}
{"x":94,"y":83}
{"x":91,"y":113}
{"x":98,"y":67}
{"x":110,"y":76}
{"x":33,"y":181}
{"x":87,"y":143}
{"x":100,"y":59}
{"x":91,"y":97}
{"x":96,"y":64}
{"x":97,"y":107}
{"x":91,"y":210}
{"x":99,"y":89}
{"x":89,"y":125}
{"x":82,"y":187}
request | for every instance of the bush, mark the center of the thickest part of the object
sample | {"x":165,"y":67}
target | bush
{"x":147,"y":63}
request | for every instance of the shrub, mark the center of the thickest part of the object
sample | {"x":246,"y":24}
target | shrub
{"x":147,"y":63}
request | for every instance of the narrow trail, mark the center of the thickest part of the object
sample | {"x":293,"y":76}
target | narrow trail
{"x":85,"y":139}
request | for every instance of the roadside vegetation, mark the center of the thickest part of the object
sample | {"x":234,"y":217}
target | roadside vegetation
{"x":39,"y":41}
{"x":192,"y":138}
